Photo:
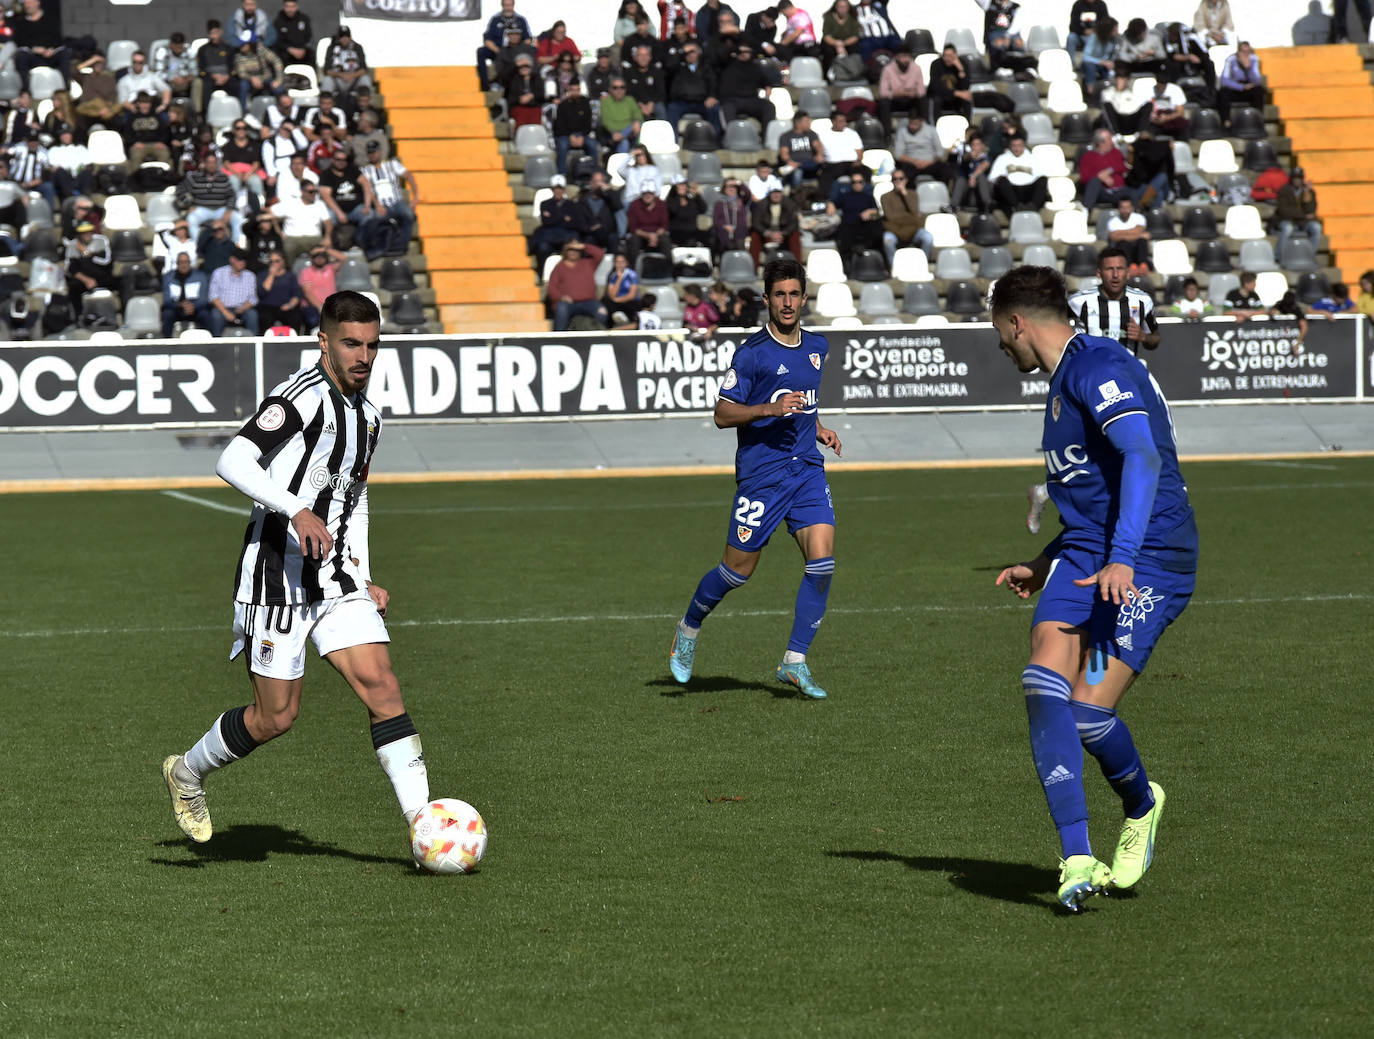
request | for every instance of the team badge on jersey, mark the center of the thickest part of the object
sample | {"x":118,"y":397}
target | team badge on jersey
{"x":272,"y":417}
{"x":730,"y":380}
{"x":1055,"y":406}
{"x":265,"y":651}
{"x":816,"y":361}
{"x":743,"y":534}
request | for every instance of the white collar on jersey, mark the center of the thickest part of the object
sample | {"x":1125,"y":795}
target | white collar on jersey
{"x":768,"y":327}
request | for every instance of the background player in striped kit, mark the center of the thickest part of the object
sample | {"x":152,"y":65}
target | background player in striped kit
{"x":304,"y":572}
{"x":1122,"y":569}
{"x":1114,"y":310}
{"x":770,"y":396}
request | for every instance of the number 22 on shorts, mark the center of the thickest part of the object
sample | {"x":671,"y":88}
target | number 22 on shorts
{"x":749,"y":511}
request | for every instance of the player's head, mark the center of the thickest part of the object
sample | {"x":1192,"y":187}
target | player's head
{"x":784,"y":289}
{"x":350,"y":332}
{"x":1023,"y":299}
{"x":1111,"y":269}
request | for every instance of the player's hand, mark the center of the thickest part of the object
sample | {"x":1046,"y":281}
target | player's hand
{"x":828,"y":438}
{"x":1133,"y":331}
{"x":380,"y":597}
{"x":788,"y":404}
{"x":316,"y":541}
{"x":1022,"y":579}
{"x":1116,"y":582}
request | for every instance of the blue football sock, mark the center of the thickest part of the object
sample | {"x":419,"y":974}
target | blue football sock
{"x":1106,"y":738}
{"x":710,"y":592}
{"x":1058,"y":755}
{"x":811,"y":596}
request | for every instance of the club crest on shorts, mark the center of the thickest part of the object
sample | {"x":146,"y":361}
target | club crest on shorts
{"x":1055,"y":406}
{"x":265,"y":651}
{"x":743,"y":534}
{"x":816,"y":361}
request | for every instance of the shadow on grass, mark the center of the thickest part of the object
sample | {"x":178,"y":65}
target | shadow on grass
{"x":720,"y":684}
{"x":253,"y":843}
{"x":1008,"y":881}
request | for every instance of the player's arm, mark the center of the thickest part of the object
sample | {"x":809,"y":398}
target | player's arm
{"x":730,"y":414}
{"x":1148,"y":336}
{"x":240,"y":466}
{"x":827,"y":437}
{"x":359,"y":552}
{"x":1025,"y":579}
{"x":1130,"y":434}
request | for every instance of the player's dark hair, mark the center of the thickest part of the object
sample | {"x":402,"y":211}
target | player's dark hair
{"x":345,"y":306}
{"x":1112,"y":252}
{"x":782,"y":268}
{"x":1030,"y":290}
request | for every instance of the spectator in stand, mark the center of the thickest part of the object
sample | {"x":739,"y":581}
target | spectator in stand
{"x":686,"y":214}
{"x":1016,"y":182}
{"x":348,"y":194}
{"x":305,"y":221}
{"x":670,"y":11}
{"x":699,"y":314}
{"x":390,"y":233}
{"x":572,"y":286}
{"x":1152,"y":169}
{"x":99,"y":93}
{"x":71,"y":164}
{"x":1123,"y":112}
{"x":1083,"y":17}
{"x":1186,"y":56}
{"x":31,"y":170}
{"x":949,"y":90}
{"x":1140,"y":50}
{"x":147,"y":136}
{"x":88,"y":262}
{"x":320,"y":155}
{"x":643,"y":36}
{"x":295,"y":34}
{"x":620,"y":117}
{"x":1295,"y":209}
{"x":283,"y":109}
{"x":741,"y":86}
{"x":318,"y":279}
{"x":670,"y":51}
{"x":861,"y":221}
{"x":1000,"y":34}
{"x":1268,"y":184}
{"x":1289,"y":306}
{"x":1340,"y":11}
{"x":647,"y":224}
{"x":211,"y":197}
{"x":561,"y":220}
{"x":692,"y":88}
{"x":82,"y":210}
{"x":241,"y":157}
{"x":279,"y":152}
{"x":555,"y":42}
{"x":500,"y":27}
{"x":1364,"y":302}
{"x":572,"y":127}
{"x":280,"y":301}
{"x":345,"y":65}
{"x":599,"y":76}
{"x":799,"y":33}
{"x":901,"y":88}
{"x":1212,"y":23}
{"x":1167,"y":115}
{"x":504,"y":63}
{"x":1191,"y":306}
{"x":707,"y":15}
{"x":761,"y":29}
{"x":172,"y":241}
{"x":918,"y":150}
{"x":185,"y":297}
{"x":763,"y":181}
{"x":22,"y":118}
{"x":37,"y":35}
{"x":839,"y":32}
{"x":1126,"y":230}
{"x":800,"y":152}
{"x":247,"y":20}
{"x":730,"y":218}
{"x":639,"y":175}
{"x":257,"y":70}
{"x":1337,"y":302}
{"x":1102,"y":173}
{"x":842,"y":149}
{"x":561,"y":75}
{"x":646,"y":84}
{"x":630,"y":12}
{"x":524,"y":92}
{"x":876,"y":31}
{"x":1241,"y":82}
{"x":215,"y":248}
{"x":1243,"y":302}
{"x":622,"y":288}
{"x":903,"y":223}
{"x":234,"y":296}
{"x":1099,"y":58}
{"x":326,"y":110}
{"x":215,"y":62}
{"x":366,"y":135}
{"x":140,"y":79}
{"x":605,"y":215}
{"x":975,"y":165}
{"x":264,"y":238}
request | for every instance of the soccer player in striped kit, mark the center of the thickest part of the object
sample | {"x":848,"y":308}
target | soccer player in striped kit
{"x":770,"y":396}
{"x":304,"y":572}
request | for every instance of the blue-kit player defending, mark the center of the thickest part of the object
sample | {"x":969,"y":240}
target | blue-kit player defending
{"x":1119,"y":572}
{"x":770,"y":396}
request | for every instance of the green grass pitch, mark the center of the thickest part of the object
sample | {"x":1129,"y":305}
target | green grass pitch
{"x":720,"y":860}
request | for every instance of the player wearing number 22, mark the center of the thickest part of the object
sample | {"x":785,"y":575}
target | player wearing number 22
{"x":304,"y":573}
{"x":1119,"y":572}
{"x":771,"y":396}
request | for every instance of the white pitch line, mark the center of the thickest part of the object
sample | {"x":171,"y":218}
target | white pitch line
{"x":206,"y":503}
{"x":631,"y":618}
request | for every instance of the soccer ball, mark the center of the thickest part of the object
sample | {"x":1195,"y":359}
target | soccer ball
{"x":448,"y":836}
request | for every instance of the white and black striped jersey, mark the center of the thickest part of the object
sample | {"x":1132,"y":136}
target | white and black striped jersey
{"x":1095,"y":314}
{"x":316,"y":444}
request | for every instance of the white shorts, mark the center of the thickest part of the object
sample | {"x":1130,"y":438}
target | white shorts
{"x":275,"y":636}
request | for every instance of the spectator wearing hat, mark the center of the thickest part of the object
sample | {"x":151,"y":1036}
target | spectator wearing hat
{"x":147,"y":134}
{"x":71,"y":163}
{"x":257,"y":69}
{"x":345,"y":65}
{"x":264,"y":238}
{"x":88,"y":262}
{"x":294,"y":34}
{"x":140,"y":80}
{"x":740,"y":85}
{"x":763,"y":180}
{"x":185,"y":296}
{"x":389,"y":234}
{"x":524,"y":92}
{"x":599,"y":76}
{"x":1295,"y":209}
{"x":620,"y":116}
{"x":647,"y":225}
{"x":234,"y":295}
{"x":214,"y":67}
{"x":501,"y":27}
{"x":280,"y":302}
{"x":37,"y":35}
{"x":692,"y":87}
{"x":687,"y":214}
{"x":573,"y":126}
{"x":776,"y":223}
{"x":175,"y":65}
{"x":247,"y":20}
{"x":730,"y":218}
{"x":560,"y":221}
{"x":571,"y":289}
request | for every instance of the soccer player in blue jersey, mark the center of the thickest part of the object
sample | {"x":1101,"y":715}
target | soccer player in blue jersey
{"x":1119,"y":572}
{"x":771,"y":396}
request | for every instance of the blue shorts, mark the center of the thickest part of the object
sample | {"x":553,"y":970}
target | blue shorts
{"x":1128,"y":632}
{"x":798,"y":493}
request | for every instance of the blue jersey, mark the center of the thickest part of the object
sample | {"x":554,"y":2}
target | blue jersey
{"x":764,"y":370}
{"x":1095,"y":384}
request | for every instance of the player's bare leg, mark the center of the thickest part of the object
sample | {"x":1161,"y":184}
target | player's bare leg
{"x":367,"y":670}
{"x":736,"y":566}
{"x":817,"y":544}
